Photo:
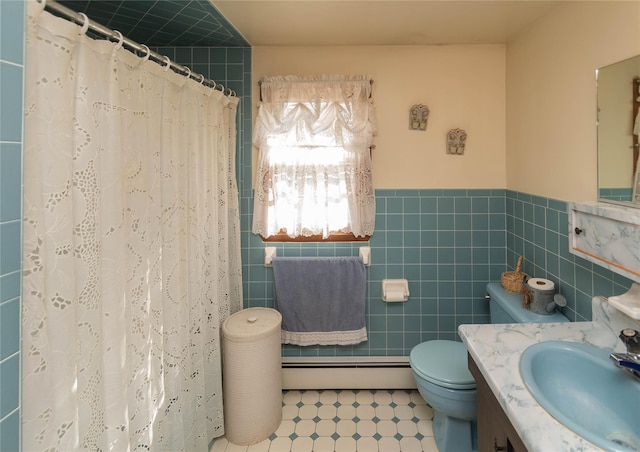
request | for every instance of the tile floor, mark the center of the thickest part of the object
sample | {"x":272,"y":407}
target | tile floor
{"x":348,"y":421}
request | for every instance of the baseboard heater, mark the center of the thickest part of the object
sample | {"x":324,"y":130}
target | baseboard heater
{"x":349,"y":372}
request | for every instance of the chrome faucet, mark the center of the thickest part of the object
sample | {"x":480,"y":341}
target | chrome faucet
{"x":629,"y":361}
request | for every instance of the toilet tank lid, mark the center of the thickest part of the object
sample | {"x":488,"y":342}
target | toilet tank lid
{"x":512,"y":304}
{"x":443,"y":363}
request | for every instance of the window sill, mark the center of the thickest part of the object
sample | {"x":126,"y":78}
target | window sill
{"x":338,"y":237}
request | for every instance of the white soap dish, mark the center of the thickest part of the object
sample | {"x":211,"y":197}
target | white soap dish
{"x":629,"y":302}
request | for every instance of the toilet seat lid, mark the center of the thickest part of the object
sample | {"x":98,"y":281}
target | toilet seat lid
{"x":443,"y":363}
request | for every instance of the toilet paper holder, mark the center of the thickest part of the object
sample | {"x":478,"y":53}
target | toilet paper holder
{"x":395,"y":290}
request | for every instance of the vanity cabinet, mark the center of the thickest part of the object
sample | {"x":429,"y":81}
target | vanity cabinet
{"x":495,"y":432}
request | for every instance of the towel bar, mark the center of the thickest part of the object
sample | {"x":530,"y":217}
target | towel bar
{"x":365,"y":254}
{"x":269,"y":254}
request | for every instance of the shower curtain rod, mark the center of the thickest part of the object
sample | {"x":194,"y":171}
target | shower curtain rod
{"x":114,"y":35}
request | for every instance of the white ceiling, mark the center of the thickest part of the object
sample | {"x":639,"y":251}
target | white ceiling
{"x":380,"y":22}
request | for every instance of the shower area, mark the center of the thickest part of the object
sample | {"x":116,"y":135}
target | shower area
{"x":131,"y":240}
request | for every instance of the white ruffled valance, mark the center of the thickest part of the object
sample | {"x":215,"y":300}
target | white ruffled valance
{"x":314,"y":136}
{"x":316,"y":111}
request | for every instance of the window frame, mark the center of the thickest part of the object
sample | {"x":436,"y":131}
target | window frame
{"x":317,"y":238}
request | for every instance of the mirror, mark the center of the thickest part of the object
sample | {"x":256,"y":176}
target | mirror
{"x":618,"y":129}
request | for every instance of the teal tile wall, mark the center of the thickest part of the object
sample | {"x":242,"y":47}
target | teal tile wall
{"x":11,"y":93}
{"x":447,"y":243}
{"x":616,"y":194}
{"x":177,"y":23}
{"x":538,"y":230}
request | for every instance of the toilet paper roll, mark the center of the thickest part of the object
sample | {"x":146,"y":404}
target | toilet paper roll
{"x":541,"y":284}
{"x":395,"y":294}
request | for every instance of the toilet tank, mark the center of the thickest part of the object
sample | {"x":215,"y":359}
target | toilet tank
{"x":506,"y":307}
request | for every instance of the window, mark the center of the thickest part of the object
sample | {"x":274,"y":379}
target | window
{"x":314,"y":177}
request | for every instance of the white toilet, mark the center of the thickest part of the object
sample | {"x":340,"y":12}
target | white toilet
{"x":444,"y":381}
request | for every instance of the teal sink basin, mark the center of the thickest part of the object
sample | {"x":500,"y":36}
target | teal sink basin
{"x":579,"y":386}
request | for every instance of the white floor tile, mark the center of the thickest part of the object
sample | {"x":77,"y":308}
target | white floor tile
{"x":382,"y":397}
{"x":389,"y":444}
{"x":364,"y":397}
{"x":384,"y":412}
{"x":327,"y":412}
{"x":429,"y":444}
{"x":365,"y":412}
{"x":289,"y":411}
{"x":305,"y":428}
{"x":280,"y":445}
{"x":308,"y":412}
{"x":410,"y":444}
{"x":219,"y":445}
{"x":286,"y":428}
{"x":344,"y":444}
{"x":235,"y":448}
{"x":302,"y":444}
{"x":367,"y":445}
{"x":407,"y":428}
{"x":387,"y":428}
{"x":323,"y":443}
{"x":291,"y":397}
{"x":425,"y":428}
{"x":262,"y":446}
{"x":404,"y":412}
{"x":310,"y":397}
{"x":346,"y":397}
{"x":401,"y":397}
{"x":366,"y":428}
{"x":325,"y":427}
{"x":329,"y":397}
{"x":417,"y":398}
{"x":346,"y":428}
{"x":346,"y":412}
{"x":423,"y":412}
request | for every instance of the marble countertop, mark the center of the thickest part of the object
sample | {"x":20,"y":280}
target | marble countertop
{"x":496,"y":350}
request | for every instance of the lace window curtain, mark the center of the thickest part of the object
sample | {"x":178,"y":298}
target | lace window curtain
{"x":131,"y":247}
{"x":314,"y":136}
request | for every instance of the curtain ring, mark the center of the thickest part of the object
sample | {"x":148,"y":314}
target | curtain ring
{"x":120,"y":39}
{"x":188,"y":74}
{"x":233,"y":94}
{"x":201,"y":79}
{"x":43,"y":3}
{"x":146,"y":57}
{"x":214,"y":84}
{"x":166,"y":68}
{"x":85,"y":24}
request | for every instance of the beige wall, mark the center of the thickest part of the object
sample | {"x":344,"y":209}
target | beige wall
{"x":529,"y":110}
{"x":551,"y":95}
{"x":462,"y":85}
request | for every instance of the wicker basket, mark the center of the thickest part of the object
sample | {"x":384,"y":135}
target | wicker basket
{"x":514,"y":281}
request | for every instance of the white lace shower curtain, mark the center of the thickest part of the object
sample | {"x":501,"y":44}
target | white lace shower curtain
{"x":131,"y":247}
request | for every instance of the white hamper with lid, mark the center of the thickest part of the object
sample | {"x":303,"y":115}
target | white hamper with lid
{"x":252,"y":375}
